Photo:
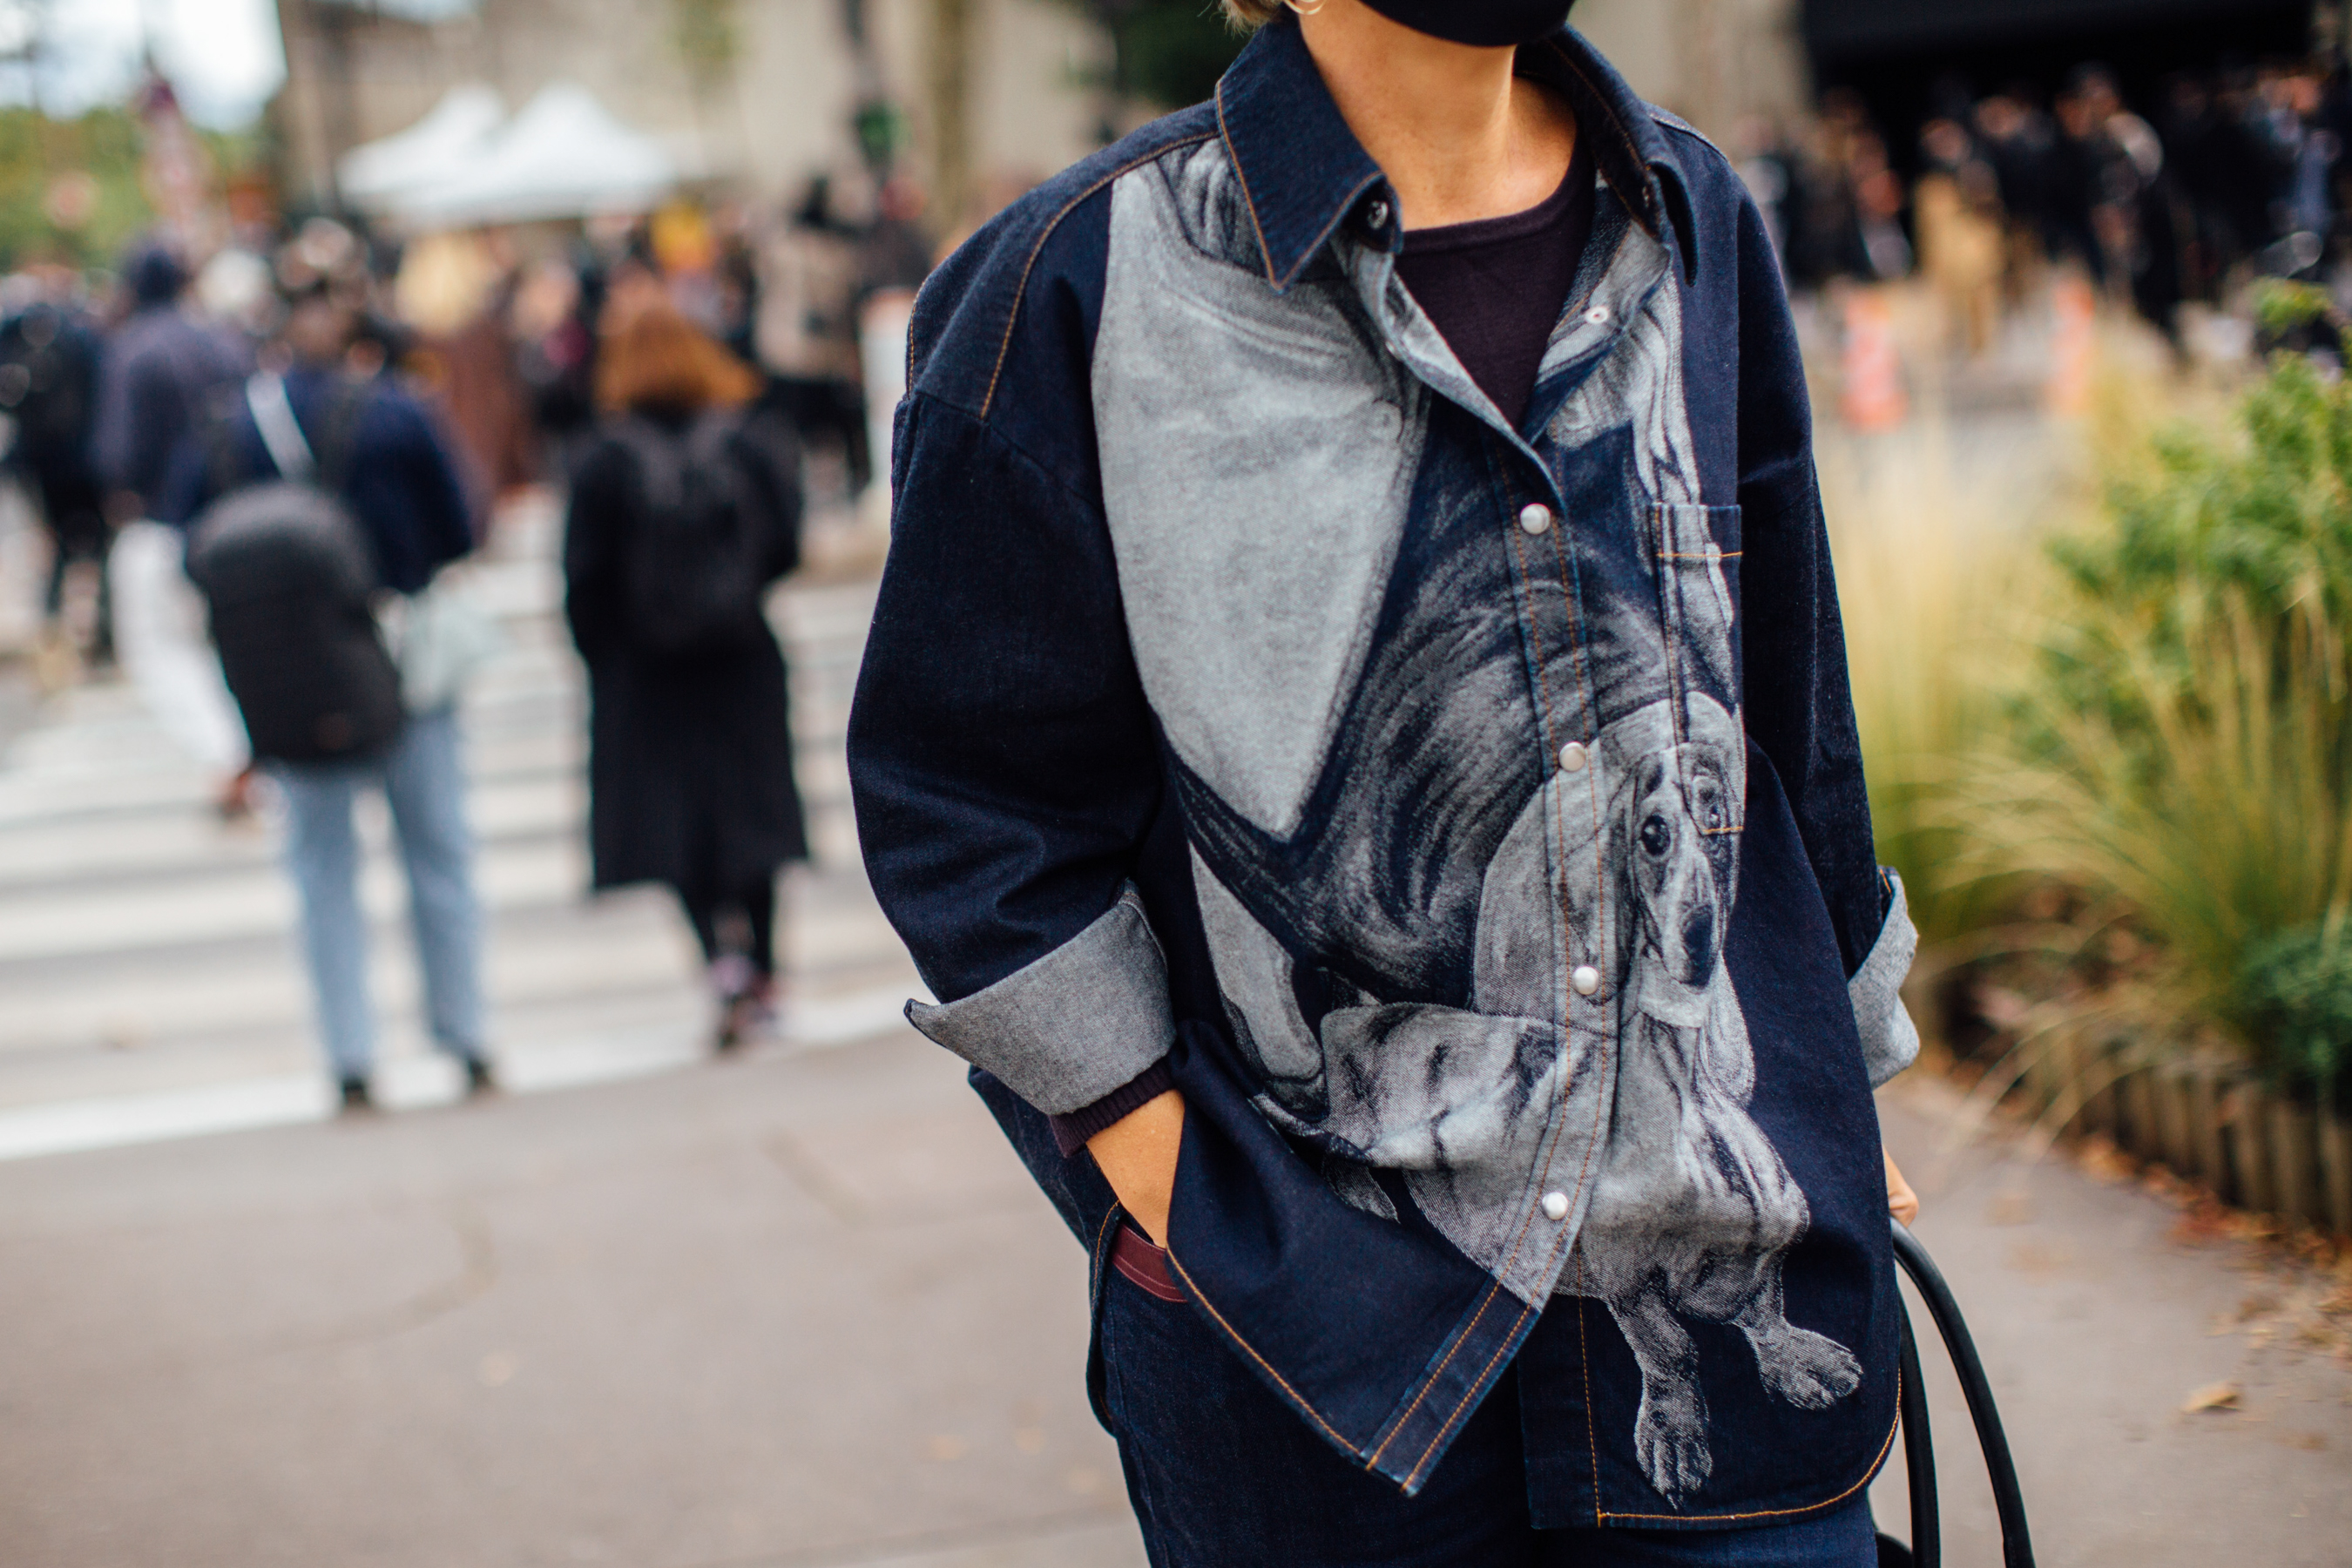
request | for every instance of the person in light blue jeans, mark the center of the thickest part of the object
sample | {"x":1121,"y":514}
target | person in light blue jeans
{"x":422,"y":780}
{"x":391,"y":466}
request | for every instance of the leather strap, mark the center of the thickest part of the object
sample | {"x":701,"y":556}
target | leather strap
{"x":1144,"y":1265}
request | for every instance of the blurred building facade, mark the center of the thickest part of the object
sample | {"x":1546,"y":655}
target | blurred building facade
{"x":1715,"y":62}
{"x":990,"y":95}
{"x":752,"y":94}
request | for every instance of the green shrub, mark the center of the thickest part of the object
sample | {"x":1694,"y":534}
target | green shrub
{"x":2184,"y":747}
{"x":2295,"y":999}
{"x":2203,"y":525}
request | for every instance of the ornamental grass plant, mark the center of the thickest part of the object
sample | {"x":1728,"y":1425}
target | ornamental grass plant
{"x":2109,"y":728}
{"x":2180,"y":755}
{"x":1931,"y":564}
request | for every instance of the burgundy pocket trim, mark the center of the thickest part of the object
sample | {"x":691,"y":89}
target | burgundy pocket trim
{"x":1144,"y":1265}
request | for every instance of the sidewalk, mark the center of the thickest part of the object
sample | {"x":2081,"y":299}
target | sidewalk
{"x":2098,"y":1322}
{"x":794,"y":1309}
{"x":806,"y":1309}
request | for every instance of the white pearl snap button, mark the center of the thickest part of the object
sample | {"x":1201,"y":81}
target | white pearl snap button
{"x":1555,"y":1205}
{"x":1573,"y":756}
{"x":1535,"y":518}
{"x":1586,"y":979}
{"x":1598,"y":316}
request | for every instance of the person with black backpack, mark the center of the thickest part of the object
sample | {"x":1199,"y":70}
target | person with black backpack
{"x":684,"y":510}
{"x":49,"y":355}
{"x":311,"y":499}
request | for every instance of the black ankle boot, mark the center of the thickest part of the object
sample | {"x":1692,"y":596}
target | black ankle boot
{"x":479,"y":1079}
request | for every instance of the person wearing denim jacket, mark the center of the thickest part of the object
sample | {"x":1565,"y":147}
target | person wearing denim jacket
{"x":1418,"y":858}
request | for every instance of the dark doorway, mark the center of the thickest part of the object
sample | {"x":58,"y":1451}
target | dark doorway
{"x":1905,"y":56}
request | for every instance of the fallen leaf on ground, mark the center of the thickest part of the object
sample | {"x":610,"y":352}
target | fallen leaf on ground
{"x":2213,"y":1396}
{"x":2103,"y":1163}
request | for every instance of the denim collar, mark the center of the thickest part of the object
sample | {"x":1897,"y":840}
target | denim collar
{"x":1303,"y":172}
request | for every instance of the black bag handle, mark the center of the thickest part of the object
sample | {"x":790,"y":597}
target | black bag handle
{"x":1918,"y":1449}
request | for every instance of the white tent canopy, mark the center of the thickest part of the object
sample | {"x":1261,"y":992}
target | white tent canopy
{"x":458,"y":130}
{"x":563,"y":156}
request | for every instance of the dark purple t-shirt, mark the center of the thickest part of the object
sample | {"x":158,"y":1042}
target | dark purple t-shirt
{"x":1496,"y":287}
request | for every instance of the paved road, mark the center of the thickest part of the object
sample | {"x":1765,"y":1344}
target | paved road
{"x":800,"y":1309}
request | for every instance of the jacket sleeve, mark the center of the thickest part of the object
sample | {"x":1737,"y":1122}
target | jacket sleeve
{"x":439,"y":510}
{"x":1005,"y":768}
{"x":1799,"y":707}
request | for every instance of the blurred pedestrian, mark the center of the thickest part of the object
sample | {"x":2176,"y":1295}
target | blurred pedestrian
{"x":2203,"y":148}
{"x":353,"y":471}
{"x":159,"y":367}
{"x":48,"y":385}
{"x":158,"y":373}
{"x":806,"y":329}
{"x":684,"y":510}
{"x":2015,"y":139}
{"x":555,"y":353}
{"x":2301,"y":152}
{"x":1768,"y":167}
{"x":1957,"y":205}
{"x":2139,"y":225}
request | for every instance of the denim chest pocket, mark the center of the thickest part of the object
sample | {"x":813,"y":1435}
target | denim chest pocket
{"x":1697,"y":552}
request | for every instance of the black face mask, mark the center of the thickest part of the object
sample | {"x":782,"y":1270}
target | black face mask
{"x":1490,"y":24}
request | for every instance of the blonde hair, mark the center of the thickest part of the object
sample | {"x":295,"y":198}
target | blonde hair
{"x":1248,"y":15}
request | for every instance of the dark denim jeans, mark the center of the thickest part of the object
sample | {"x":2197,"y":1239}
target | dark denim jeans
{"x":1224,"y":1475}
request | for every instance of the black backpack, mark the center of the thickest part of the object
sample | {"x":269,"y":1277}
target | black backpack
{"x":288,"y":579}
{"x":694,"y":562}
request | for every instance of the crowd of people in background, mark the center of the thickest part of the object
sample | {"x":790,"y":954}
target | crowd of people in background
{"x":500,"y":329}
{"x":681,"y":377}
{"x":2221,"y":174}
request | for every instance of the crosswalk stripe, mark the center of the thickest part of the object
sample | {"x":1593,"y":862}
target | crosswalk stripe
{"x":149,"y":986}
{"x":82,"y":1126}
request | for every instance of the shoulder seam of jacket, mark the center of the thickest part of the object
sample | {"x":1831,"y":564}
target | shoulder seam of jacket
{"x":1010,"y":444}
{"x":1021,"y":291}
{"x":1669,"y":119}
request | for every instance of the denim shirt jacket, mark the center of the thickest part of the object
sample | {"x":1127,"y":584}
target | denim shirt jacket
{"x":1470,"y":817}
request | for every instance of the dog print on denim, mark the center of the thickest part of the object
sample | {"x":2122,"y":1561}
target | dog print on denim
{"x":1519,"y":1000}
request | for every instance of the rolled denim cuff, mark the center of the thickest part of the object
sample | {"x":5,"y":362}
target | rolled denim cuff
{"x":1890,"y":1041}
{"x":1086,"y":1019}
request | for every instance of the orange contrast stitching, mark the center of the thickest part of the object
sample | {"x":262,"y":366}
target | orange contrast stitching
{"x":1494,"y":1288}
{"x":1543,"y":700}
{"x":1102,"y":1230}
{"x":1242,"y":180}
{"x":1454,"y":1420}
{"x":1207,"y":1307}
{"x":1584,"y":1364}
{"x":1038,"y":249}
{"x":1884,"y":1449}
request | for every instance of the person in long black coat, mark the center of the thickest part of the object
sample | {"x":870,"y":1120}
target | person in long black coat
{"x":691,"y":755}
